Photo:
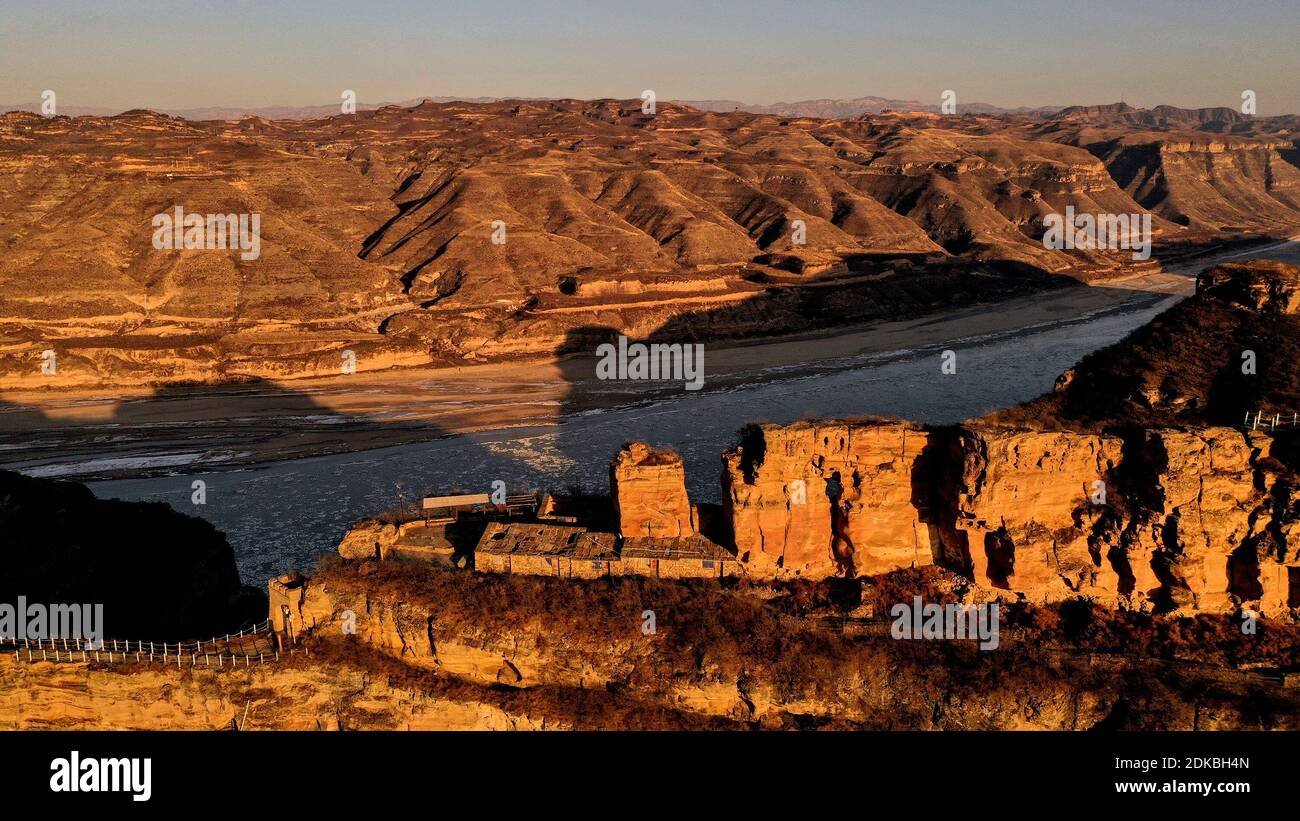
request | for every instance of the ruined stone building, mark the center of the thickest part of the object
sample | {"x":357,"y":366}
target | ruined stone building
{"x":657,"y":531}
{"x":539,"y":549}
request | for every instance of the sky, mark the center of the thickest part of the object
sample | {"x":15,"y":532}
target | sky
{"x":169,"y":55}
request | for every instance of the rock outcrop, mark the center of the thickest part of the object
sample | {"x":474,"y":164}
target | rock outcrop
{"x":1026,"y":505}
{"x":765,"y":674}
{"x":1258,"y":285}
{"x":1187,"y":519}
{"x":1229,"y":350}
{"x":811,"y":499}
{"x":649,"y":491}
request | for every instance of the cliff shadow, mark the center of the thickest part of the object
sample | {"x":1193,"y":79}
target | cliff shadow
{"x":281,"y":474}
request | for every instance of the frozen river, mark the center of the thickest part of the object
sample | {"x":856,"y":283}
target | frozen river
{"x":284,"y":514}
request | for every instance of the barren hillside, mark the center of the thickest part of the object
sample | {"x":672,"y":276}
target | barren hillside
{"x":377,"y":229}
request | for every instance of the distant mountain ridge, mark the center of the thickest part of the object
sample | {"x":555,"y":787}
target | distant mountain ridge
{"x":826,"y":108}
{"x":856,"y":107}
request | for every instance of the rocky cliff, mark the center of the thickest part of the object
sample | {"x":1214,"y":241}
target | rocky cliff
{"x":648,"y":487}
{"x":729,"y":656}
{"x":402,"y":645}
{"x":1119,"y":486}
{"x":1197,"y":519}
{"x":812,"y":499}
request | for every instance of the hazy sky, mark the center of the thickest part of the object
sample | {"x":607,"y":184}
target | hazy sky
{"x":140,"y":53}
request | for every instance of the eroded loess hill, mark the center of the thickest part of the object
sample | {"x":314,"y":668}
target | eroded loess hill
{"x":377,"y":229}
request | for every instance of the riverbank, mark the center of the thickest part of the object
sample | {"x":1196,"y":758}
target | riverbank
{"x":93,"y":433}
{"x":97,"y":434}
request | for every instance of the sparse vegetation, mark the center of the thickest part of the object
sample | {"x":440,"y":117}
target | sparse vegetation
{"x":786,"y":639}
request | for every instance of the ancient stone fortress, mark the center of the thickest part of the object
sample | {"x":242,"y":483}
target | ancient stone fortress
{"x":1179,"y":520}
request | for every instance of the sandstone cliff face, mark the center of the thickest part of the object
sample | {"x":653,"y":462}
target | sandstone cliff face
{"x":649,"y":490}
{"x":404,"y":648}
{"x":1185,"y":176}
{"x":811,"y":499}
{"x":1026,"y":504}
{"x":1200,"y":520}
{"x":755,"y":670}
{"x":1215,"y":528}
{"x":302,"y":695}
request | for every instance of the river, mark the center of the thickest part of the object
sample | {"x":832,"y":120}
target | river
{"x":284,"y":514}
